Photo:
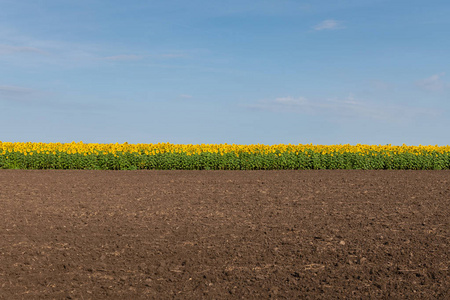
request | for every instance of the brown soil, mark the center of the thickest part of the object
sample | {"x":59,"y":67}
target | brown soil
{"x":224,"y":234}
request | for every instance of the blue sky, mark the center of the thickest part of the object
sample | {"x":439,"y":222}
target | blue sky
{"x":229,"y":71}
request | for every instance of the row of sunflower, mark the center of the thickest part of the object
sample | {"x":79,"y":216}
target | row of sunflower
{"x":220,"y":156}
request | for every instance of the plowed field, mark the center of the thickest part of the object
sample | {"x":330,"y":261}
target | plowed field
{"x":224,"y":234}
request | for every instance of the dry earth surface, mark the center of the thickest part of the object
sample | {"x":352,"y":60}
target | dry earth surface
{"x":224,"y":234}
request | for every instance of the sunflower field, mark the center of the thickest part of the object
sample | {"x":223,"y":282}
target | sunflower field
{"x":166,"y":156}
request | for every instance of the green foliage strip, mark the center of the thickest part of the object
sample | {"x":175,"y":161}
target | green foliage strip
{"x":307,"y":160}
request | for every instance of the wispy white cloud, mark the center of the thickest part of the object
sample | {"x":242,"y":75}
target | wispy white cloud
{"x":46,"y":52}
{"x":66,"y":53}
{"x":127,"y":57}
{"x":10,"y":89}
{"x":9,"y":49}
{"x":18,"y":94}
{"x":341,"y":109}
{"x":328,"y":25}
{"x":123,"y":57}
{"x":290,"y":101}
{"x":28,"y":97}
{"x":433,"y":83}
